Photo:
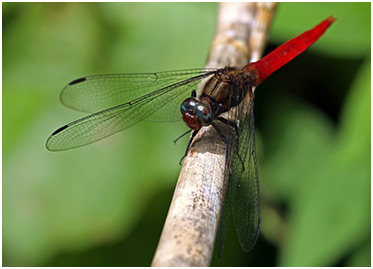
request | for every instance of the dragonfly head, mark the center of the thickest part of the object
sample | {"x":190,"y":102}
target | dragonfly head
{"x":196,"y":114}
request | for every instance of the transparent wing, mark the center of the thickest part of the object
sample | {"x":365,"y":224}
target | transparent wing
{"x":95,"y":93}
{"x":242,"y":196}
{"x":244,"y":181}
{"x":99,"y":125}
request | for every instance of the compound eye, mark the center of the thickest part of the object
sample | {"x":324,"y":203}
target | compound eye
{"x":188,"y":104}
{"x":196,"y":114}
{"x":204,"y":114}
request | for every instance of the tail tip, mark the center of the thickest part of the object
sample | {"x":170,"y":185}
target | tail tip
{"x":331,"y":19}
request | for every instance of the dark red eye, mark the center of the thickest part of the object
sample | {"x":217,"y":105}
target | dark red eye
{"x":191,"y":119}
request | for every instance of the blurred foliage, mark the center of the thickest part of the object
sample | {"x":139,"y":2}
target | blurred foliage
{"x":105,"y":204}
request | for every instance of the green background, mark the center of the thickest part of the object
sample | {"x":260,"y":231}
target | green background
{"x":105,"y":204}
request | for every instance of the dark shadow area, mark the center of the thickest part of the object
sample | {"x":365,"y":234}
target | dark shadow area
{"x":263,"y":254}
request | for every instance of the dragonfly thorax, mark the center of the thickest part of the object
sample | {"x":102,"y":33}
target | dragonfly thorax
{"x":196,"y":113}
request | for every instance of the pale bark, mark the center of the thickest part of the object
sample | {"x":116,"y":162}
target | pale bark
{"x":188,"y":236}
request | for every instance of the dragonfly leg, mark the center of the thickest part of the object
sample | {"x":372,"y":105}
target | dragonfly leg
{"x":194,"y":93}
{"x":222,"y":136}
{"x":230,"y":123}
{"x":177,"y":139}
{"x":190,"y":142}
{"x":235,"y":127}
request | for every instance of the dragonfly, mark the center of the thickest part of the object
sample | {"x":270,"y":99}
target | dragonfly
{"x":123,"y":100}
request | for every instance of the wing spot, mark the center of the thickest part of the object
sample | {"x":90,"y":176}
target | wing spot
{"x":60,"y":129}
{"x":77,"y":81}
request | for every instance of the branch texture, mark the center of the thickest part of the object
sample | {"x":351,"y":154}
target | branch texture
{"x":188,"y":236}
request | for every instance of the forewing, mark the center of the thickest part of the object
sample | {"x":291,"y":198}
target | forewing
{"x":99,"y":125}
{"x":95,"y":93}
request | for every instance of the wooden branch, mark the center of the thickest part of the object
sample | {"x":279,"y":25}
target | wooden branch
{"x":188,"y":236}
